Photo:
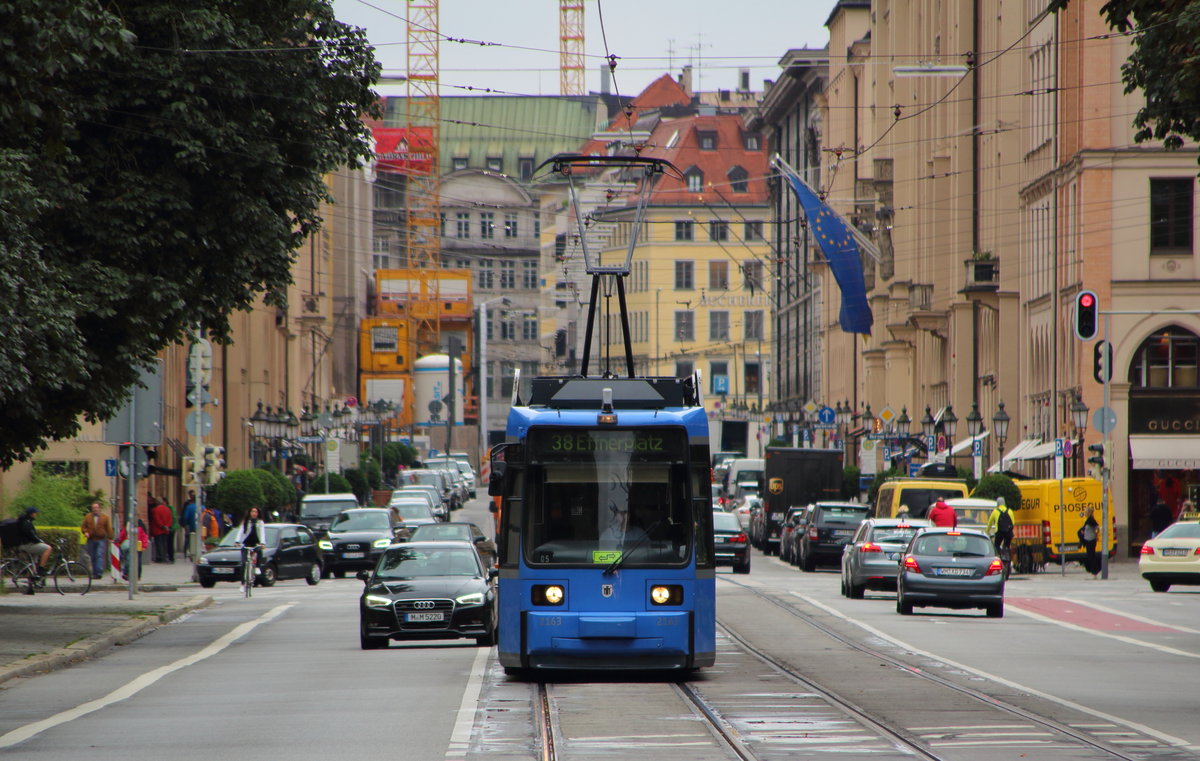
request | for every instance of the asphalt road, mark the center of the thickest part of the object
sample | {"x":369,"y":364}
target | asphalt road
{"x":282,"y":675}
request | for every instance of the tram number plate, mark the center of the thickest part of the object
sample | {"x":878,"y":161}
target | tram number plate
{"x":224,"y":570}
{"x":424,"y":617}
{"x":354,"y":555}
{"x":953,"y":571}
{"x":1174,"y":552}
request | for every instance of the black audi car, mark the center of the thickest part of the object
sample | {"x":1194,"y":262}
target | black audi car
{"x":428,"y":590}
{"x":358,"y":537}
{"x":291,"y":553}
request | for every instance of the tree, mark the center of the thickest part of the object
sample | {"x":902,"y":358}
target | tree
{"x":237,"y":492}
{"x":358,"y":484}
{"x":1164,"y":64}
{"x":61,"y":500}
{"x":278,"y":492}
{"x":158,"y":168}
{"x":850,"y":483}
{"x":998,"y":485}
{"x":337,"y":485}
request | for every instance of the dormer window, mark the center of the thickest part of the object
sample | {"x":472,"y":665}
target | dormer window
{"x":737,"y":179}
{"x":695,"y":180}
{"x":752,"y":142}
{"x":707,"y":140}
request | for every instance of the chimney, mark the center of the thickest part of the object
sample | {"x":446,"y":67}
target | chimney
{"x":685,"y":80}
{"x":744,"y":80}
{"x":605,"y":79}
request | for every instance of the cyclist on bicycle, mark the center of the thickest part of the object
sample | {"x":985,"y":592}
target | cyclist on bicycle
{"x":1000,"y":527}
{"x":252,"y":534}
{"x":30,"y":543}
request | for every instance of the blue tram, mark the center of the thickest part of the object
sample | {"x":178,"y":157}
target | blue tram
{"x":605,"y":537}
{"x":605,"y":541}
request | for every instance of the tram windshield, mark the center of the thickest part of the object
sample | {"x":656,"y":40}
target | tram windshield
{"x":597,"y":496}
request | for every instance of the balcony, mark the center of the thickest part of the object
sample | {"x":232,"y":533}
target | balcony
{"x":982,"y":275}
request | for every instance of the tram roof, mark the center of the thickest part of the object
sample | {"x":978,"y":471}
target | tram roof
{"x":564,"y":393}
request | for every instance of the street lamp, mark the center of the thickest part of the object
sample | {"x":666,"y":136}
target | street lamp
{"x":974,"y":420}
{"x":949,"y":422}
{"x":1079,"y":415}
{"x":1000,"y":425}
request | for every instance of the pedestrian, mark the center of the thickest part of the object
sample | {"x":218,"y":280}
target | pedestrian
{"x":97,"y":529}
{"x":943,"y":515}
{"x":1089,"y":532}
{"x":188,"y":521}
{"x":903,"y":514}
{"x":210,"y":528}
{"x":143,"y":540}
{"x":160,"y":529}
{"x":1160,"y":518}
{"x":172,"y":531}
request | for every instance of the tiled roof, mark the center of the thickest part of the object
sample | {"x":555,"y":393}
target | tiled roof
{"x":678,"y":141}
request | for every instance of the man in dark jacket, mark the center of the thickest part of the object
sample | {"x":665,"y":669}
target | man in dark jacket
{"x":29,"y":542}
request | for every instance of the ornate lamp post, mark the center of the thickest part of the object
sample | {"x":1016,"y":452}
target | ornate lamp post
{"x":929,"y":428}
{"x":1079,"y":418}
{"x":974,"y":429}
{"x":1000,"y":425}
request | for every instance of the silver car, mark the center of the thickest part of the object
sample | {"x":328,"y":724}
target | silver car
{"x":872,"y":558}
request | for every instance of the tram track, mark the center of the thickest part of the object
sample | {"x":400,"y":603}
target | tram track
{"x":900,"y":735}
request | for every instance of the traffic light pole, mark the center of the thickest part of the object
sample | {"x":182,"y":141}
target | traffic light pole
{"x":1106,"y":470}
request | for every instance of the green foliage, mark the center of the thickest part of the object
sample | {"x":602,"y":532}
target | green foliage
{"x":337,"y":485}
{"x":880,"y":477}
{"x":396,"y":453}
{"x":370,"y":470}
{"x":278,"y":492}
{"x":237,"y":492}
{"x":152,"y":178}
{"x":850,"y":476}
{"x":1164,"y":64}
{"x":998,"y":485}
{"x":358,"y":485}
{"x":60,"y":500}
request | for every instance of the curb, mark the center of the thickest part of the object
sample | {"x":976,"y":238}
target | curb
{"x":92,"y":646}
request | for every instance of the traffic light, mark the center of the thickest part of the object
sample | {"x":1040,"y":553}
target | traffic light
{"x":214,"y":464}
{"x":1097,"y":459}
{"x":1086,"y":315}
{"x":1102,"y":361}
{"x":191,"y":468}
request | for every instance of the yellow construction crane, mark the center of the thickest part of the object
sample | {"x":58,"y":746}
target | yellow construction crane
{"x":570,"y":48}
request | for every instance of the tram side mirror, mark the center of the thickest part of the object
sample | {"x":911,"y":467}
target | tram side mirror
{"x":496,"y":481}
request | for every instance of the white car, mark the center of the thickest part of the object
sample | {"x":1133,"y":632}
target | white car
{"x":1172,"y":557}
{"x":742,"y":511}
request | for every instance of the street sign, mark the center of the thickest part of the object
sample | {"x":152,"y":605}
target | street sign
{"x":977,"y":448}
{"x":810,"y":408}
{"x":199,"y":423}
{"x":1059,"y":460}
{"x":145,"y":409}
{"x":826,"y":416}
{"x":887,"y":415}
{"x":1068,"y":448}
{"x":110,"y":468}
{"x":351,"y":401}
{"x":310,"y":439}
{"x":1105,"y":419}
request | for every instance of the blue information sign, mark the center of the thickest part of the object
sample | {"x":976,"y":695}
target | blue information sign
{"x":826,"y":415}
{"x":110,"y":468}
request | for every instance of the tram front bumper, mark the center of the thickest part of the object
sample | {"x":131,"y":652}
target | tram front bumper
{"x":568,"y":640}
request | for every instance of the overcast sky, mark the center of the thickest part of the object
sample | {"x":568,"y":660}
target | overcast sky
{"x":651,"y":37}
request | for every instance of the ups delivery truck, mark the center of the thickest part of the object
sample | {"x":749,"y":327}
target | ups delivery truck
{"x":795,"y":478}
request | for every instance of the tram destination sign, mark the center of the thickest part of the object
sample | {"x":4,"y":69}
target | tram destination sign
{"x":573,"y":444}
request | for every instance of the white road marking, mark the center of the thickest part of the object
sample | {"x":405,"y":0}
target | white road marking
{"x":1131,"y":616}
{"x":1108,"y":635}
{"x":131,"y":688}
{"x":460,"y":736}
{"x":1162,"y":736}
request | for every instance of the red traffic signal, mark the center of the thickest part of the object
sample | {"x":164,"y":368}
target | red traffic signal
{"x":1086,"y":315}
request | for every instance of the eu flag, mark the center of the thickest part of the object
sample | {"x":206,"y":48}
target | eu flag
{"x":841,"y":251}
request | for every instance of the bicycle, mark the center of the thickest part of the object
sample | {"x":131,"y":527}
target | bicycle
{"x":1004,"y":550}
{"x":70,"y":576}
{"x":248,"y":567}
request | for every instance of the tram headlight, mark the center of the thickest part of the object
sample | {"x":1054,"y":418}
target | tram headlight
{"x":666,"y":594}
{"x":549,"y":594}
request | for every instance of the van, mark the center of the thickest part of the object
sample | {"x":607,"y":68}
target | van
{"x":918,"y":494}
{"x":1036,"y":520}
{"x":742,"y":470}
{"x":317,"y":511}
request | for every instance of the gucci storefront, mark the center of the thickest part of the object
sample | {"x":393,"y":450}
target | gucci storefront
{"x":1164,"y":428}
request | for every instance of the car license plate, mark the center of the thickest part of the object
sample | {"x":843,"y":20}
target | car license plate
{"x":224,"y":570}
{"x":424,"y":617}
{"x":843,"y":532}
{"x":953,"y":571}
{"x":353,"y":555}
{"x":1174,"y":552}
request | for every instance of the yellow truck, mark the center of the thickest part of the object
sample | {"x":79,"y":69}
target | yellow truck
{"x":1037,"y":535}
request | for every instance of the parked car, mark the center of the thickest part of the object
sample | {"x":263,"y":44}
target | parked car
{"x":412,"y":512}
{"x":830,"y":526}
{"x":731,"y":546}
{"x":291,"y":552}
{"x":949,"y":568}
{"x":872,"y":558}
{"x":464,"y":470}
{"x":790,"y":531}
{"x":438,"y":479}
{"x":427,"y":590}
{"x":428,"y":493}
{"x":744,"y":510}
{"x":358,"y":537}
{"x":1172,"y":557}
{"x":449,"y":466}
{"x":460,"y":531}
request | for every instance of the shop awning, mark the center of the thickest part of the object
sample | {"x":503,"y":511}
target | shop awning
{"x":966,"y":443}
{"x":1037,"y":452}
{"x":1165,"y":452}
{"x":1015,"y":453}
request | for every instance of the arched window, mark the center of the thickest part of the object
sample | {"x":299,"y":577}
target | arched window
{"x":695,"y":179}
{"x":1167,"y":359}
{"x":737,"y":179}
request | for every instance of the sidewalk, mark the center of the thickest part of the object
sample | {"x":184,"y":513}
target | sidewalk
{"x":46,"y":631}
